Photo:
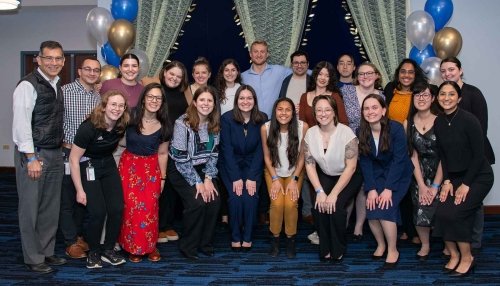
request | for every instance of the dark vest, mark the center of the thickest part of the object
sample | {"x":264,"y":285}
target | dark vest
{"x":47,"y":116}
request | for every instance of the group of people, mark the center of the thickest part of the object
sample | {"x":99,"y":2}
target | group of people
{"x":262,"y":139}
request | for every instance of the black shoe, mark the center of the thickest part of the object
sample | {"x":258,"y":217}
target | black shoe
{"x":471,"y":269}
{"x":207,"y":250}
{"x":389,"y":265}
{"x":377,"y":258}
{"x":290,"y":247}
{"x":422,"y":258}
{"x":275,"y":246}
{"x":110,"y":256}
{"x":94,"y":260}
{"x":337,"y":260}
{"x":246,"y":248}
{"x":189,"y":256}
{"x":325,"y":259}
{"x":41,"y":268}
{"x":54,"y":260}
{"x":357,"y":237}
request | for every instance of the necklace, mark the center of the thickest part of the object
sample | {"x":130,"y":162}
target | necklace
{"x":451,"y":120}
{"x":149,"y":120}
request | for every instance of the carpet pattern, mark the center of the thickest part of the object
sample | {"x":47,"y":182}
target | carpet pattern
{"x":253,"y":268}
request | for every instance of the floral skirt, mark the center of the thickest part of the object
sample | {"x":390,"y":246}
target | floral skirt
{"x":141,"y":181}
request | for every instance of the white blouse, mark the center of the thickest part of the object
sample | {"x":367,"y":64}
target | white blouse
{"x":331,"y":162}
{"x":282,"y":170}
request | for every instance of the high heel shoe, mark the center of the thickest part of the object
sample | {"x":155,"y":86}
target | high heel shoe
{"x":389,"y":265}
{"x":447,"y":270}
{"x":422,"y":258}
{"x":471,"y":269}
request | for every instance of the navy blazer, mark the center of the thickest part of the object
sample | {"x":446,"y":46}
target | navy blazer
{"x":240,"y":157}
{"x":391,"y":169}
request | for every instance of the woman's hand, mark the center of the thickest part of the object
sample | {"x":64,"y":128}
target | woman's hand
{"x":422,"y":194}
{"x":461,"y":194}
{"x":238,"y":187}
{"x":320,"y":199}
{"x":275,"y":188}
{"x":200,"y":190}
{"x":81,"y":197}
{"x":446,"y":189}
{"x":372,"y":200}
{"x":210,"y":190}
{"x":330,"y":202}
{"x":385,"y":199}
{"x":251,"y":187}
{"x":431,"y":194}
{"x":292,"y":190}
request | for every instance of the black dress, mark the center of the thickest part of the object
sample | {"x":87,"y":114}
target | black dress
{"x":426,"y":147}
{"x":461,"y":149}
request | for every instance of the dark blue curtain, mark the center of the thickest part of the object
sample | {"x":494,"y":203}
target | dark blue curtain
{"x":212,"y":33}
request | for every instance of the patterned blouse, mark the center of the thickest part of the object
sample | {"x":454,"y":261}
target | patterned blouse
{"x":352,"y":107}
{"x":191,"y":148}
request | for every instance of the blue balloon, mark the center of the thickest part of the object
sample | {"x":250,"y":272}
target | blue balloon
{"x":124,"y":9}
{"x":440,"y":11}
{"x":109,"y":55}
{"x":420,"y":56}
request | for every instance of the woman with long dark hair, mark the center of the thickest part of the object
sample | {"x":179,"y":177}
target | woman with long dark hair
{"x":241,"y":163}
{"x":467,"y":175}
{"x":227,"y":82}
{"x":143,"y":168}
{"x":284,"y":159}
{"x":194,"y":150}
{"x":387,"y":171}
{"x":96,"y":178}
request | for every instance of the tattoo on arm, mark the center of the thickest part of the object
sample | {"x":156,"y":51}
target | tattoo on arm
{"x":308,"y":158}
{"x":351,"y":149}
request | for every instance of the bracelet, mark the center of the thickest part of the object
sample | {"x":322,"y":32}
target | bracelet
{"x":296,"y":178}
{"x":274,"y":178}
{"x":31,"y":159}
{"x":319,"y":191}
{"x":164,"y":178}
{"x":435,"y":186}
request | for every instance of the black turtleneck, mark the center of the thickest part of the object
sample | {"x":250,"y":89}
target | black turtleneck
{"x":176,"y":102}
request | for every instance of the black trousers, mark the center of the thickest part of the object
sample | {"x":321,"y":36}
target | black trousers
{"x":331,"y":227}
{"x":168,"y":203}
{"x":72,"y":213}
{"x":104,"y":198}
{"x":199,"y":218}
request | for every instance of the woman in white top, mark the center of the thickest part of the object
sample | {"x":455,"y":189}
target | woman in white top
{"x":284,"y":159}
{"x":227,"y":82}
{"x":331,"y":155}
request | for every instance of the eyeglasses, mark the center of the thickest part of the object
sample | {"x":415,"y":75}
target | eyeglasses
{"x":326,"y":111}
{"x":423,"y":95}
{"x":115,"y":105}
{"x":152,"y":98}
{"x":90,"y":70}
{"x":51,"y":59}
{"x":366,"y":74}
{"x":299,"y":63}
{"x":408,"y":72}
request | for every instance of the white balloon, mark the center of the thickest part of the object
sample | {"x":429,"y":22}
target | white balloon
{"x":431,"y":67}
{"x":143,"y":62}
{"x":420,"y":29}
{"x":98,"y":22}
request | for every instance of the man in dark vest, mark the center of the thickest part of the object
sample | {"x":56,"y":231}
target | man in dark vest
{"x":37,"y":131}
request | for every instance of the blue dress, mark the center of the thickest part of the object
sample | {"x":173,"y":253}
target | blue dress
{"x":391,"y":170}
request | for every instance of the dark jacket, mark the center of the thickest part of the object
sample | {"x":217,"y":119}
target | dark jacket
{"x":286,"y":82}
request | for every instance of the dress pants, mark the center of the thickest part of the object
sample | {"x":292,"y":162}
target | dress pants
{"x":39,"y":203}
{"x":199,"y":218}
{"x":242,"y":214}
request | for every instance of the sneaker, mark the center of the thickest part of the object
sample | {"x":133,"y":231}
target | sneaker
{"x":117,"y":247}
{"x":81,"y":242}
{"x":162,"y":237}
{"x":314,"y":238}
{"x":172,"y":235}
{"x":94,"y":260}
{"x":111,"y":257}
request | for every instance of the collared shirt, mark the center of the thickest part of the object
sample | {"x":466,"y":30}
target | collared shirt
{"x":24,"y":99}
{"x":267,"y":84}
{"x":78,"y":104}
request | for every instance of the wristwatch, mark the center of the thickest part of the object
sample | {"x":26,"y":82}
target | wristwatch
{"x":208,"y":177}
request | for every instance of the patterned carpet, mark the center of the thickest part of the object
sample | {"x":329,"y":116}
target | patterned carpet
{"x":253,"y":268}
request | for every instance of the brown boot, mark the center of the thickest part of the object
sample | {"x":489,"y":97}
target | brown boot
{"x":75,"y":251}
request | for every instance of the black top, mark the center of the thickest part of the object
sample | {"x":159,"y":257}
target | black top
{"x":140,"y":144}
{"x":97,"y":143}
{"x":176,"y":102}
{"x":474,"y":102}
{"x":461,"y":146}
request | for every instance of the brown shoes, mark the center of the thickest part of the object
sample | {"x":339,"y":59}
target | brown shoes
{"x":172,"y":235}
{"x":135,"y":258}
{"x":154,"y":256}
{"x":82,"y":244}
{"x":75,"y":251}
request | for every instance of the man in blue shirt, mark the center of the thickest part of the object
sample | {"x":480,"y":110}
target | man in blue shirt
{"x":265,"y":78}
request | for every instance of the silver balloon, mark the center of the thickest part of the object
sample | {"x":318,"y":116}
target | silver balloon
{"x":98,"y":22}
{"x":143,"y":62}
{"x":431,"y":67}
{"x":420,"y":29}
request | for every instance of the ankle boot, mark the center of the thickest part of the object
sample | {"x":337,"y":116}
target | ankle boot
{"x":290,"y":247}
{"x":275,"y":246}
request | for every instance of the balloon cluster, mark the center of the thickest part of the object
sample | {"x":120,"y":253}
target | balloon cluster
{"x":114,"y":32}
{"x":431,"y":40}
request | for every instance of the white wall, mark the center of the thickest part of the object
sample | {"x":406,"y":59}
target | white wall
{"x":24,"y":31}
{"x":477,"y":22}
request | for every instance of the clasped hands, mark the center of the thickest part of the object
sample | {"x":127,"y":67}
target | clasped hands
{"x":382,"y":201}
{"x":206,"y":190}
{"x":326,"y":203}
